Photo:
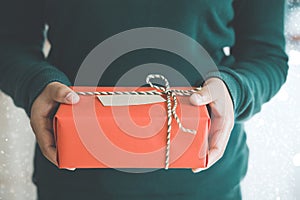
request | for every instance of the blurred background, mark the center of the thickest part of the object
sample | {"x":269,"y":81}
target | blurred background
{"x":273,"y":138}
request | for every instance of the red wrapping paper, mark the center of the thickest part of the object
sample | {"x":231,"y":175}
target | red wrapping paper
{"x":90,"y":135}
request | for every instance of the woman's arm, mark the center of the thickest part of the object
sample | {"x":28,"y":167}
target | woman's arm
{"x":261,"y":63}
{"x":32,"y":82}
{"x":258,"y":73}
{"x":23,"y":70}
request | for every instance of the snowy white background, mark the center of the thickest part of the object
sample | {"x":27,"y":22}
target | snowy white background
{"x":273,"y":138}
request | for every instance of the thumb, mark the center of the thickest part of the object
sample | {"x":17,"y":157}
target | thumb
{"x":202,"y":97}
{"x":63,"y":94}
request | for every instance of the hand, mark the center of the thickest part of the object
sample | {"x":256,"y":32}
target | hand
{"x":215,"y":94}
{"x":41,"y":112}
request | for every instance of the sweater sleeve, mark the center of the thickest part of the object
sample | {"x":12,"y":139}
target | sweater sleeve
{"x":260,"y":66}
{"x":24,"y":71}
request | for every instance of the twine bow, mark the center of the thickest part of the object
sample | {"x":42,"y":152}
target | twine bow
{"x":171,"y":108}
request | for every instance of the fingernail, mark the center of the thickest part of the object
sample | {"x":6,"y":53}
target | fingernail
{"x":72,"y":97}
{"x":196,"y":99}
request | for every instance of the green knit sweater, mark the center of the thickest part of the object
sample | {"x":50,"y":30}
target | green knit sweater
{"x":253,"y":73}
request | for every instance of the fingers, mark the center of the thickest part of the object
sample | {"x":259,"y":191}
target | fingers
{"x":216,"y":95}
{"x":197,"y":170}
{"x":218,"y":141}
{"x":62,"y":93}
{"x":42,"y":128}
{"x":71,"y":169}
{"x":41,"y":112}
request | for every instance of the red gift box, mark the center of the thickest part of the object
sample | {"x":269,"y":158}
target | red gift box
{"x":91,"y":135}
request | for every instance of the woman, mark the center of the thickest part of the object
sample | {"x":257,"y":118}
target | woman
{"x":250,"y":76}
